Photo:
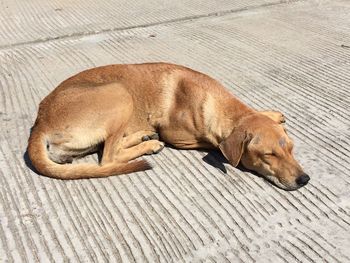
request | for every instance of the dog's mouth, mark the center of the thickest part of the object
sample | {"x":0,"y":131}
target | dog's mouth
{"x":282,"y":185}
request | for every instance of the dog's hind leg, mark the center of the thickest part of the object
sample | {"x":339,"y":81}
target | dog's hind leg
{"x":112,"y":145}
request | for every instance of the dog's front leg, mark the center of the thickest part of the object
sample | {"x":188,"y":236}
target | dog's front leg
{"x":192,"y":145}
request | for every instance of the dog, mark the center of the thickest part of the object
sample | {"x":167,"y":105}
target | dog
{"x":125,"y":109}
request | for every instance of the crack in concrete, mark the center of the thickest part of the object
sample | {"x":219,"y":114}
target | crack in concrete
{"x":164,"y":22}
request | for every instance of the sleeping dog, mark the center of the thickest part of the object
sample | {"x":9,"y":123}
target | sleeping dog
{"x":128,"y":108}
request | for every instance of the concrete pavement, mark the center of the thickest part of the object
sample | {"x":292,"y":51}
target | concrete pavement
{"x":291,"y":56}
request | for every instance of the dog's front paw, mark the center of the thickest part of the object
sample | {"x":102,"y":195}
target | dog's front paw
{"x":282,"y":118}
{"x":275,"y":116}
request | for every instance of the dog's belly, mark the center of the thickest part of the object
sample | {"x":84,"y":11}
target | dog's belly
{"x":183,"y":139}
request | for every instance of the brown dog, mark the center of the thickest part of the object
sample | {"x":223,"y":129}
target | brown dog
{"x":123,"y":107}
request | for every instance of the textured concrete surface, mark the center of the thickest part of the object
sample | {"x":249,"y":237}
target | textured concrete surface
{"x":293,"y":56}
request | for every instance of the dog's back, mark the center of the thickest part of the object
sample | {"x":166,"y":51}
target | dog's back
{"x":90,"y":107}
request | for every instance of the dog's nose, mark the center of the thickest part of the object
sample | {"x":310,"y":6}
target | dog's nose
{"x":302,"y":179}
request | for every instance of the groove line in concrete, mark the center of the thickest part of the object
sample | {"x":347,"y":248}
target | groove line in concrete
{"x":166,"y":22}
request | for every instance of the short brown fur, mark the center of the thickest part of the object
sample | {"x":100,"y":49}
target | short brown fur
{"x":123,"y":106}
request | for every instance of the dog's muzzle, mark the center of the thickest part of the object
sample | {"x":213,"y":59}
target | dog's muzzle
{"x":302,"y":180}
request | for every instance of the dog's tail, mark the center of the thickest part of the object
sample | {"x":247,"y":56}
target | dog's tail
{"x":44,"y":165}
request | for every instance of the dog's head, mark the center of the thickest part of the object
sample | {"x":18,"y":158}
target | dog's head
{"x":262,"y":145}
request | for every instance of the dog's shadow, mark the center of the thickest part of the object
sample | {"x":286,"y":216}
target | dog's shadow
{"x":213,"y":158}
{"x":28,"y":162}
{"x":217,"y":160}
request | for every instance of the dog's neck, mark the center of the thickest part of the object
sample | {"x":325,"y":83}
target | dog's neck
{"x":219,"y":124}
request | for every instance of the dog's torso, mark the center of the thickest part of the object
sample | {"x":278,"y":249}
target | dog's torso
{"x":186,"y":107}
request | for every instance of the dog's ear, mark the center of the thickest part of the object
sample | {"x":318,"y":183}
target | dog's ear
{"x":233,"y":147}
